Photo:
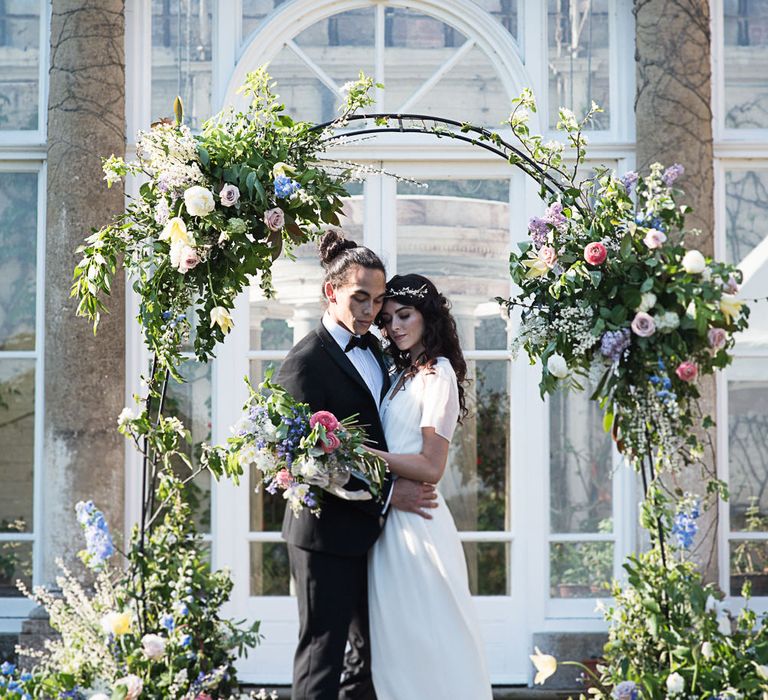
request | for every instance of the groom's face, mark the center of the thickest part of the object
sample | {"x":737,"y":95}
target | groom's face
{"x":355,"y":303}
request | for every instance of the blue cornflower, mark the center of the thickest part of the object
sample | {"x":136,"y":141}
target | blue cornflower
{"x":186,"y":640}
{"x":666,"y":383}
{"x":661,"y":365}
{"x":7,"y":668}
{"x":167,"y":621}
{"x":26,"y":677}
{"x":14,"y":686}
{"x":285,"y":186}
{"x":166,"y":315}
{"x":654,"y":379}
{"x":181,"y":608}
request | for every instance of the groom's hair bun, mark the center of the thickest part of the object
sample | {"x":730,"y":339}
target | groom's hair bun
{"x":338,"y":256}
{"x":332,"y":245}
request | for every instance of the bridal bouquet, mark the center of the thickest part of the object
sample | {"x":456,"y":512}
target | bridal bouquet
{"x":298,"y":452}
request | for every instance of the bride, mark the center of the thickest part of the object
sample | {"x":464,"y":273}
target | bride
{"x":425,"y":641}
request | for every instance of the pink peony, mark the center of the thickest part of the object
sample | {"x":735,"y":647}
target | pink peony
{"x":654,"y":238}
{"x":274,"y":219}
{"x":331,"y":442}
{"x":643,"y":324}
{"x":717,"y":338}
{"x":548,"y":255}
{"x":595,"y":253}
{"x":325,"y":418}
{"x":283,"y":478}
{"x":687,"y":371}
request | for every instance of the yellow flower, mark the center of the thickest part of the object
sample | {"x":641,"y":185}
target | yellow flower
{"x":175,"y":231}
{"x":545,"y":664}
{"x":282,"y":169}
{"x":730,"y":306}
{"x":220,"y":316}
{"x":117,"y":623}
{"x":536,"y":267}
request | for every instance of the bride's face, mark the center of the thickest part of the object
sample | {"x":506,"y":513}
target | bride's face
{"x":404,"y":326}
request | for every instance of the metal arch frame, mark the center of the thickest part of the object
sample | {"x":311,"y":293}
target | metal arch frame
{"x":449,"y":128}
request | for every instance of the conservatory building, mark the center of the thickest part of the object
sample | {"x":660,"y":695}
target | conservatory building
{"x":545,"y":506}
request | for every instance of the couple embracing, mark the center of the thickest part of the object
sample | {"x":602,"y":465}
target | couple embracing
{"x":384,"y":605}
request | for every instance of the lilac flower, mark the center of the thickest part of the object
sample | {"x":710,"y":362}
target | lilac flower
{"x":614,"y":343}
{"x":672,"y":173}
{"x":555,"y":215}
{"x":309,"y":500}
{"x":628,"y":180}
{"x":162,"y":212}
{"x":539,"y":229}
{"x":285,"y":186}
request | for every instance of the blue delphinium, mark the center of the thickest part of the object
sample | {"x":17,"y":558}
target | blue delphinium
{"x":626,"y":690}
{"x":684,"y":527}
{"x":98,"y":541}
{"x":285,"y":186}
{"x":298,"y":427}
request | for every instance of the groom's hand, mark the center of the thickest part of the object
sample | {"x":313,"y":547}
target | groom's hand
{"x":414,"y":497}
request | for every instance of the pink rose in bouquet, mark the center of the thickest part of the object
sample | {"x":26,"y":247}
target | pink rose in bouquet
{"x":274,"y":219}
{"x":331,"y":442}
{"x":717,"y":338}
{"x":643,"y":324}
{"x":687,"y":371}
{"x":595,"y":253}
{"x":283,"y":478}
{"x":548,"y":255}
{"x":325,"y":418}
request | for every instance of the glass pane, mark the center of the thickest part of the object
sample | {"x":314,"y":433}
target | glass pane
{"x":191,"y":403}
{"x":18,"y":244}
{"x":749,"y":562}
{"x":17,"y":436}
{"x":181,"y":58}
{"x":475,"y":483}
{"x":487,"y":566}
{"x":483,"y":99}
{"x":254,"y":11}
{"x":15,"y":565}
{"x":456,"y":232}
{"x":504,"y":11}
{"x":296,"y":309}
{"x":748,"y":454}
{"x":746,"y":208}
{"x":579,"y":45}
{"x":580,"y":569}
{"x":270,"y":571}
{"x":19,"y":64}
{"x":746,"y":51}
{"x":580,"y":465}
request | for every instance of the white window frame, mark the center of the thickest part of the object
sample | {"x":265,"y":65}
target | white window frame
{"x":21,"y":138}
{"x":14,"y":610}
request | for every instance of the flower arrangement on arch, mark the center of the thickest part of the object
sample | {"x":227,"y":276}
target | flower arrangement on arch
{"x":299,"y":453}
{"x":213,"y":209}
{"x":615,"y":296}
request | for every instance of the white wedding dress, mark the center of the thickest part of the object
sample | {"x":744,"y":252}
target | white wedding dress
{"x":425,"y":641}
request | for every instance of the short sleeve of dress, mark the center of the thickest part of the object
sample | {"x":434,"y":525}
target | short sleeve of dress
{"x":440,"y":406}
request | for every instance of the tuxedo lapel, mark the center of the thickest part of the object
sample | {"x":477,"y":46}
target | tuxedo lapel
{"x":340,"y":358}
{"x":379,"y":355}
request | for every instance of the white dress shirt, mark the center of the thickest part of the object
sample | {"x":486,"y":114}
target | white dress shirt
{"x":364,"y":361}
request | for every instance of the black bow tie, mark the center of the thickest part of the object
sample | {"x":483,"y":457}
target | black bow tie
{"x":364,"y":341}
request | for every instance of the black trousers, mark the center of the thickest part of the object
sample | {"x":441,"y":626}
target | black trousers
{"x":332,"y":593}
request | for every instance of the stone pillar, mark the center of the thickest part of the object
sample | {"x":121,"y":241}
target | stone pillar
{"x":674,"y":125}
{"x":84,"y":374}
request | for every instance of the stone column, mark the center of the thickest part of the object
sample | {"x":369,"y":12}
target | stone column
{"x":674,"y":125}
{"x":84,"y":374}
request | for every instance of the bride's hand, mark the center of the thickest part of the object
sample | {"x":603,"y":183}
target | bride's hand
{"x":414,"y":497}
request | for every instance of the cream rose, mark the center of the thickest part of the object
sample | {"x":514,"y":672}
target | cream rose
{"x":153,"y":646}
{"x":693,"y":262}
{"x":199,"y":201}
{"x":557,"y":366}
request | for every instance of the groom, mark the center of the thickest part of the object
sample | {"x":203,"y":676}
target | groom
{"x":339,"y":368}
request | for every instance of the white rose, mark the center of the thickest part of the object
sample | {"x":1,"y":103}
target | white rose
{"x":706,"y":650}
{"x":693,"y":262}
{"x":675,"y":684}
{"x":557,"y":366}
{"x":647,"y":301}
{"x":199,"y":201}
{"x":154,"y":646}
{"x":125,"y":415}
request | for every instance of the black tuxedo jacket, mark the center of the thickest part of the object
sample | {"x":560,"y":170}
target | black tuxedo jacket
{"x":318,"y":372}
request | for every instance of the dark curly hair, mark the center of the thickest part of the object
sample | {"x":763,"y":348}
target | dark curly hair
{"x":441,"y":338}
{"x":338,"y":255}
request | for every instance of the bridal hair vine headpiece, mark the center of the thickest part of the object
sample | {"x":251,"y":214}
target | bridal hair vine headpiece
{"x":408,"y":292}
